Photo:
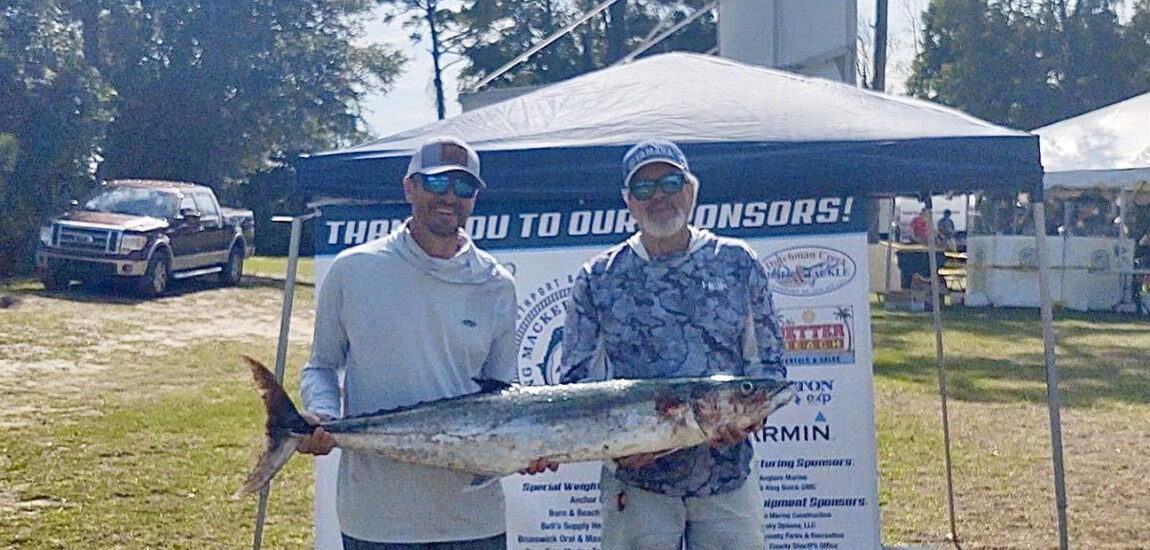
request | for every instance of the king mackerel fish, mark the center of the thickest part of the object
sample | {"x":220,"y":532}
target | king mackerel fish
{"x":503,"y":428}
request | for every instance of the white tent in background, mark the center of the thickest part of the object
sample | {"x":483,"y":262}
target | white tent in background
{"x":1104,"y":153}
{"x":1108,"y":148}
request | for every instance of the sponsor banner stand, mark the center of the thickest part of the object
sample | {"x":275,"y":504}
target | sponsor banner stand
{"x":815,"y":458}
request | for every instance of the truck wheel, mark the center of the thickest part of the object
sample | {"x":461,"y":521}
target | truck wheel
{"x":234,"y":269}
{"x":54,"y":281}
{"x":155,"y":279}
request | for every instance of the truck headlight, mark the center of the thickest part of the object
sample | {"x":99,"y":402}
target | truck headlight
{"x":132,"y":243}
{"x":46,"y":235}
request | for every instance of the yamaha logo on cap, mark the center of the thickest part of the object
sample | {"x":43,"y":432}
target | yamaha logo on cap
{"x":649,"y":152}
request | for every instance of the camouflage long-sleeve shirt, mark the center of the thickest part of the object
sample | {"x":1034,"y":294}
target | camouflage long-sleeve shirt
{"x":701,"y":312}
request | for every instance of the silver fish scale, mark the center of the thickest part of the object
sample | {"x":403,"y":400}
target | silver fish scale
{"x":499,"y":433}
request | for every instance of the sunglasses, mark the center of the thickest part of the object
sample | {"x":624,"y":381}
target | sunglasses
{"x":463,"y":185}
{"x":644,"y":189}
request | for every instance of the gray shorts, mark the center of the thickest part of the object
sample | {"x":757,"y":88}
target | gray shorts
{"x":498,"y":542}
{"x":651,"y":521}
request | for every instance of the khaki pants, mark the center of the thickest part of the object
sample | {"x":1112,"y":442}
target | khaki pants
{"x":651,"y":521}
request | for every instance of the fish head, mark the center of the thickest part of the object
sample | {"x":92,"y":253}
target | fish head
{"x":723,"y":400}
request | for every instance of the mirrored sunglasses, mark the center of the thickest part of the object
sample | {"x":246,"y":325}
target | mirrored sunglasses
{"x":669,"y":184}
{"x":463,"y":185}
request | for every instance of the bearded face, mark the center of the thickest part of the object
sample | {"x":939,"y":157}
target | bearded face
{"x":441,"y":215}
{"x":662,"y":215}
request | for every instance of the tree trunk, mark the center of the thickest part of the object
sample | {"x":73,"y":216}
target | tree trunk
{"x":435,"y":54}
{"x":616,"y":32}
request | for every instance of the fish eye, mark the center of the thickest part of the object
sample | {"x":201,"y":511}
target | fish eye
{"x":747,"y":388}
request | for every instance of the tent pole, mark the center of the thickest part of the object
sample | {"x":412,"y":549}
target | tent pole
{"x":890,"y":242}
{"x":939,"y":360}
{"x":281,"y":348}
{"x":1052,"y":400}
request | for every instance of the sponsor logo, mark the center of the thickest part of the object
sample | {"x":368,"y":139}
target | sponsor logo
{"x":794,"y":432}
{"x":822,"y":335}
{"x":540,"y":331}
{"x":809,"y":270}
{"x":814,"y":392}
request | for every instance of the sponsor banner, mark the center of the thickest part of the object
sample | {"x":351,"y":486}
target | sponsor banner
{"x":816,"y":456}
{"x":509,"y":226}
{"x":815,"y":459}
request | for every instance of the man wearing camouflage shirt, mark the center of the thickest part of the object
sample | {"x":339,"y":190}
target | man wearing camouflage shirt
{"x":674,"y":301}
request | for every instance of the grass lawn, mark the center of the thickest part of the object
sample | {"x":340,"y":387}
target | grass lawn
{"x":128,"y":424}
{"x":276,"y":268}
{"x":1000,"y":428}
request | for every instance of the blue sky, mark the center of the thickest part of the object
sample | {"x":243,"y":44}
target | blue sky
{"x":412,"y":102}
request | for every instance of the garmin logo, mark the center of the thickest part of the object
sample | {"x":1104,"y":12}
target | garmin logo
{"x":797,"y":432}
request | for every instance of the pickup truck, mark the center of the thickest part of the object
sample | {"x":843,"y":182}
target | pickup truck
{"x":145,"y":232}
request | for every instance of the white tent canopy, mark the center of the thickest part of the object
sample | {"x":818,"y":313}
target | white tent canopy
{"x":1105,"y":149}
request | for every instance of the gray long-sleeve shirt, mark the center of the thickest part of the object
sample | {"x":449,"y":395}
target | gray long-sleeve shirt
{"x":405,"y":327}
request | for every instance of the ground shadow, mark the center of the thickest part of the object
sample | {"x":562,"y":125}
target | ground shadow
{"x":1088,"y":373}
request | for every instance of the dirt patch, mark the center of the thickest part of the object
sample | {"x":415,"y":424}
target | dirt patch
{"x":60,"y":343}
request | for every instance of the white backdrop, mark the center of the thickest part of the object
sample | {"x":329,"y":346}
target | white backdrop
{"x":815,"y":458}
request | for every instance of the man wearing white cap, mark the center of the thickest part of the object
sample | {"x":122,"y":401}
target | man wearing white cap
{"x":674,"y":301}
{"x":415,"y":316}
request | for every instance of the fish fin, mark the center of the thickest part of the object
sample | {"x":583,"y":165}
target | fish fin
{"x":283,"y":425}
{"x":491,"y":385}
{"x":275,"y":456}
{"x":480,"y":482}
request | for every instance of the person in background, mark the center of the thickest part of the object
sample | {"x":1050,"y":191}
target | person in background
{"x":674,"y":301}
{"x":919,"y":227}
{"x":414,"y":316}
{"x":945,"y":231}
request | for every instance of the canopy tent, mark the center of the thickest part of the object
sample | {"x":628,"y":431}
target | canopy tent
{"x":790,"y":132}
{"x":1106,"y":149}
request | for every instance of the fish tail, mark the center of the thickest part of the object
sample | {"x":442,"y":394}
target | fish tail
{"x":283,"y":426}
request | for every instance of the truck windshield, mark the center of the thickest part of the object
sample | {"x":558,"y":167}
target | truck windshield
{"x":133,"y":201}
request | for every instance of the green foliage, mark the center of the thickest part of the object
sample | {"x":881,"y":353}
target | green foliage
{"x":269,"y":193}
{"x":1028,"y":63}
{"x":211,"y":92}
{"x":54,"y":110}
{"x":495,"y":32}
{"x":216,"y":89}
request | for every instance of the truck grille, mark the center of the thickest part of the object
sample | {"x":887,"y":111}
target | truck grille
{"x":86,"y":239}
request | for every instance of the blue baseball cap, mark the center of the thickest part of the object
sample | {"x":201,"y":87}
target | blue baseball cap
{"x":650,"y":152}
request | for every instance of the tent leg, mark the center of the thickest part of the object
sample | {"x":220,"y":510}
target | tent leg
{"x":281,"y":349}
{"x":890,"y":243}
{"x":939,"y":360}
{"x":1052,"y":400}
